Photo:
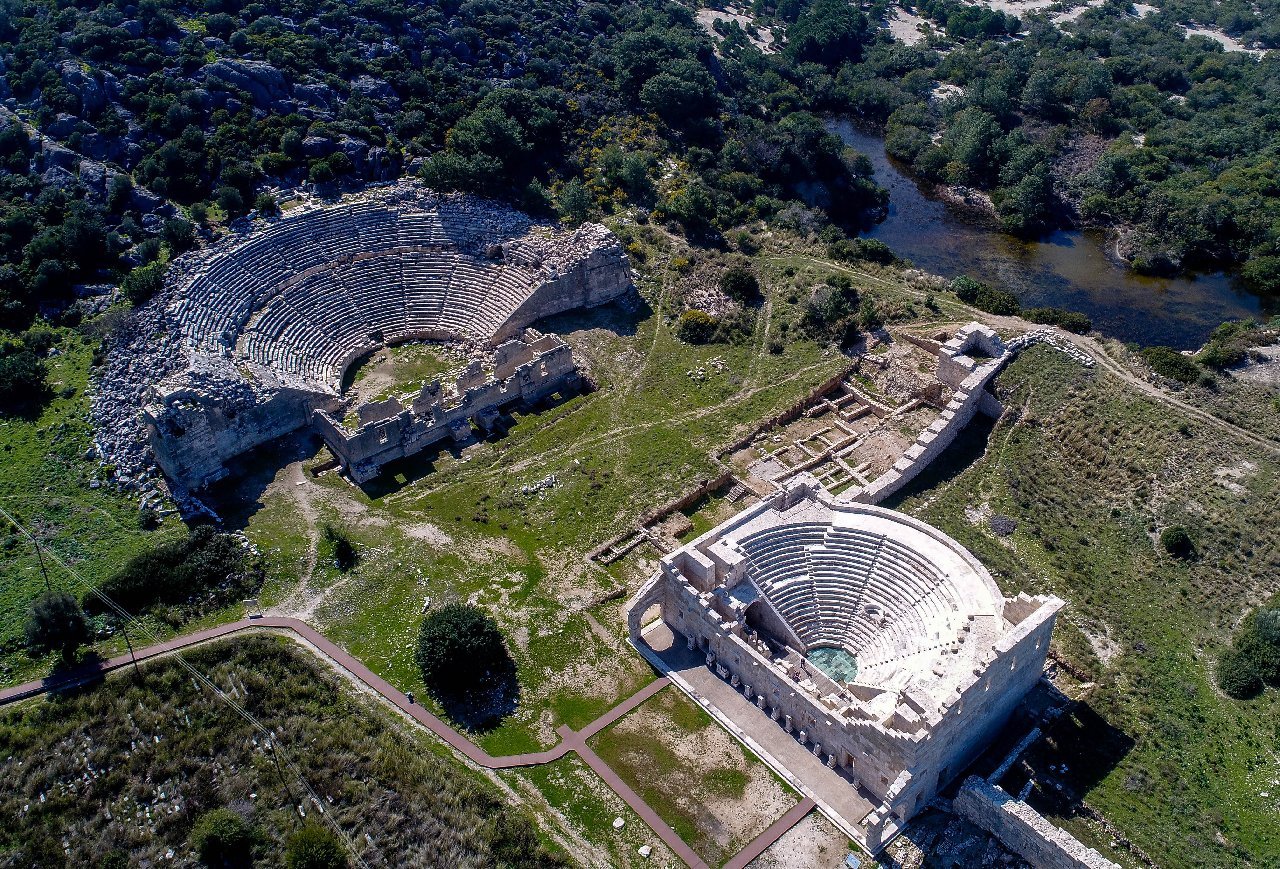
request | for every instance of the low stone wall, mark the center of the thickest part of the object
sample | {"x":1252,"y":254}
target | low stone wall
{"x":970,"y":398}
{"x":1024,"y":830}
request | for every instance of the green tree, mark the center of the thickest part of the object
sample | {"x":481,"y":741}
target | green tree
{"x":315,"y":847}
{"x":143,"y":282}
{"x":22,"y":379}
{"x":55,"y":623}
{"x":1177,"y":542}
{"x":829,"y":32}
{"x":574,"y":201}
{"x":222,"y":839}
{"x":460,"y":647}
{"x":740,"y":283}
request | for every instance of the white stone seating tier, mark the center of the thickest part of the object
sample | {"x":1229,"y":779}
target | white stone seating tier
{"x":890,"y":594}
{"x":316,"y":289}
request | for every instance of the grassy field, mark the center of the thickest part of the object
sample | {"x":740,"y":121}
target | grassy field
{"x":45,"y":484}
{"x":1091,"y":473}
{"x":701,"y":781}
{"x":508,"y":523}
{"x":129,"y":767}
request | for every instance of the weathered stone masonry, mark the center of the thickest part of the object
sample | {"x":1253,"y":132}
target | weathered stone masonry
{"x":251,"y":338}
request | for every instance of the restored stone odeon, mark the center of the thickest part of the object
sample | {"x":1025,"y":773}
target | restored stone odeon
{"x":261,"y":328}
{"x":875,"y":640}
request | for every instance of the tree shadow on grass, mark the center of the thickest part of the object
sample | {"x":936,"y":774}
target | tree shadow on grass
{"x":483,"y":707}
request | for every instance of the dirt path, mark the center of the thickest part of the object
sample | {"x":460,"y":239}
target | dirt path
{"x":303,"y":601}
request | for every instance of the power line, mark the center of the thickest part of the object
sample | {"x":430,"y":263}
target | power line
{"x":272,"y":741}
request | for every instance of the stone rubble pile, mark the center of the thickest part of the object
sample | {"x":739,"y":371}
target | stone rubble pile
{"x":1054,"y":339}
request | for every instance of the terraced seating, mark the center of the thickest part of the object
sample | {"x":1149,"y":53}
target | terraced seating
{"x":867,"y":593}
{"x":309,"y":292}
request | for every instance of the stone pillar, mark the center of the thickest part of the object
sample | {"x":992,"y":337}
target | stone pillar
{"x":875,"y":831}
{"x":804,"y":737}
{"x":817,"y":749}
{"x":831,"y":761}
{"x":760,"y":701}
{"x":787,"y":724}
{"x":711,"y":658}
{"x":747,"y":692}
{"x":735,"y":681}
{"x":774,"y":713}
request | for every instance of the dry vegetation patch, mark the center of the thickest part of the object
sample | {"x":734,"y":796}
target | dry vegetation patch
{"x":715,"y":794}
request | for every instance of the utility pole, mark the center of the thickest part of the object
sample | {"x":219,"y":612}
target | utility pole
{"x":39,"y":553}
{"x":129,"y":643}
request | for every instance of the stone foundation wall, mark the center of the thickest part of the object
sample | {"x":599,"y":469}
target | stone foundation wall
{"x":524,"y":373}
{"x":1024,"y":830}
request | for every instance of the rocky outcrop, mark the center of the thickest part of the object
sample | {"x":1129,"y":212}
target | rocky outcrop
{"x":262,"y":81}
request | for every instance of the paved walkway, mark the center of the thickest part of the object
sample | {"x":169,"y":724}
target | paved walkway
{"x":570,"y":740}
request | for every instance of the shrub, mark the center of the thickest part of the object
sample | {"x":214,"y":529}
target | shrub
{"x":696,"y":327}
{"x":740,"y":284}
{"x":22,"y":378}
{"x":460,"y":648}
{"x":1072,"y":321}
{"x":315,"y":847}
{"x":861,"y":249}
{"x":1229,"y":344}
{"x":266,"y":205}
{"x":1177,"y":542}
{"x":1253,"y":661}
{"x":143,"y":282}
{"x":1169,"y":363}
{"x":1236,"y":675}
{"x":221,"y":838}
{"x":984,"y":297}
{"x":56,"y":623}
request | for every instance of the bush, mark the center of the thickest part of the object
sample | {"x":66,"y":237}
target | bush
{"x":344,"y":553}
{"x":1169,"y":363}
{"x":1253,"y":661}
{"x":861,"y":249}
{"x":460,"y":649}
{"x":266,"y":205}
{"x":1236,"y":675}
{"x":221,"y":838}
{"x":143,"y":282}
{"x":205,"y":569}
{"x":315,"y":847}
{"x":740,"y":284}
{"x":22,"y":378}
{"x":985,"y":298}
{"x":696,"y":327}
{"x":1229,"y":344}
{"x":1177,"y":542}
{"x":56,"y":623}
{"x":1072,"y":321}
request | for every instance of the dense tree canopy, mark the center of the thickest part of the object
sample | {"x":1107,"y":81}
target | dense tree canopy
{"x":460,"y":650}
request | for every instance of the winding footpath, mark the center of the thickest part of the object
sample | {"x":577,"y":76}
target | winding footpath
{"x":342,"y":661}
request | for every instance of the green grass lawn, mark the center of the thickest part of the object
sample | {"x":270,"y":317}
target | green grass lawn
{"x":45,"y":484}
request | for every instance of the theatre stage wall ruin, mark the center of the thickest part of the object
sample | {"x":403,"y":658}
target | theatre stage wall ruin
{"x":251,"y":337}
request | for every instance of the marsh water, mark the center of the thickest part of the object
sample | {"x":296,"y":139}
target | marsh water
{"x":1067,"y":269}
